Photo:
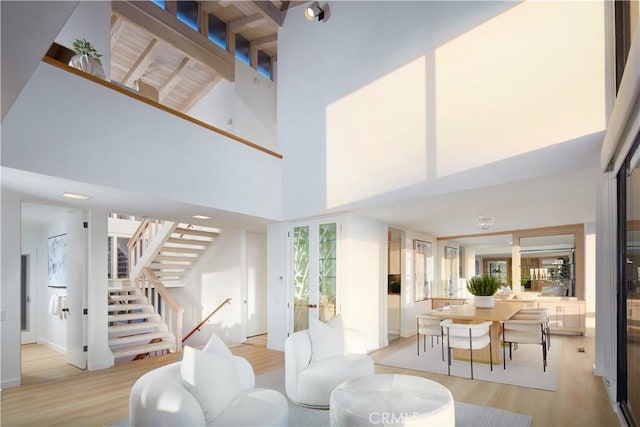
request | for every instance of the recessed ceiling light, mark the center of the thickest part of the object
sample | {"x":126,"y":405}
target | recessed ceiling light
{"x":75,"y":196}
{"x":201,"y":217}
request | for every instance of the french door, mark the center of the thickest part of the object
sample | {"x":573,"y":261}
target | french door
{"x":314,"y":261}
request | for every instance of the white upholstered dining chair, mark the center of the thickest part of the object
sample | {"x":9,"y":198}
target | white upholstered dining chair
{"x":525,"y":331}
{"x":466,"y":336}
{"x":428,"y":326}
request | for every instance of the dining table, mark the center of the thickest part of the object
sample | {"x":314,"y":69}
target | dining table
{"x":469,"y":313}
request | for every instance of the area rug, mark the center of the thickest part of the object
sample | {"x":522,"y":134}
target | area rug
{"x":467,"y":415}
{"x":524,"y":370}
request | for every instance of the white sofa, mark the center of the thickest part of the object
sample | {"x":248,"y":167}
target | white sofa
{"x":205,"y":388}
{"x":310,"y":378}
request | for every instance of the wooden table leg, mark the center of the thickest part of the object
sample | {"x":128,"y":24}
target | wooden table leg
{"x":482,"y":355}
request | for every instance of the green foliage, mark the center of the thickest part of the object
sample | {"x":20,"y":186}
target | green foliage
{"x":83,"y":47}
{"x":484,"y":285}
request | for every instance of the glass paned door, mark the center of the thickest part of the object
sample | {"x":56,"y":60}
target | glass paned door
{"x":327,"y":272}
{"x":632,"y":279}
{"x":300,"y":278}
{"x":315,"y":248}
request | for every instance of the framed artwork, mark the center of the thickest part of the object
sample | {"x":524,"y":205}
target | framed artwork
{"x":451,"y":269}
{"x":423,"y":264}
{"x":56,"y":254}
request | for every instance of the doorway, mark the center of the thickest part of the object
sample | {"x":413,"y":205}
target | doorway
{"x":315,"y":249}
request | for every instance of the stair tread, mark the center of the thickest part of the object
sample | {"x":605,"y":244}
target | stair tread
{"x":196,"y":232}
{"x":126,"y":307}
{"x":190,"y":242}
{"x":129,"y":316}
{"x":130,"y":327}
{"x":122,"y":289}
{"x":167,"y":266}
{"x":141,"y":349}
{"x":127,"y":297}
{"x":186,"y":258}
{"x":138,"y":338}
{"x":181,"y":249}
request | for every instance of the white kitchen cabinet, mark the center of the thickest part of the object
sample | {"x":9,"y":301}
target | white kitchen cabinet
{"x":565,"y":316}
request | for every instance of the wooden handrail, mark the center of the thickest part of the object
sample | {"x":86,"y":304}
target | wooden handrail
{"x":61,"y":65}
{"x":197,"y":328}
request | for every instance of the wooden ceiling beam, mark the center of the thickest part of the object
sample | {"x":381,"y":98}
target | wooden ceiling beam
{"x":141,"y":64}
{"x":169,"y":29}
{"x":210,"y":6}
{"x":244,"y":21}
{"x":117,"y":26}
{"x":173,"y":80}
{"x":262,"y":41}
{"x":269,"y":10}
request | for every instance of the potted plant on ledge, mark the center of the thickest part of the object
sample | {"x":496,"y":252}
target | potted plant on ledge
{"x":87,"y":58}
{"x":483,"y":288}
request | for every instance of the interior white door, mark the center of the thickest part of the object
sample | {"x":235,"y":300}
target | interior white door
{"x":76,"y":274}
{"x":256,"y":280}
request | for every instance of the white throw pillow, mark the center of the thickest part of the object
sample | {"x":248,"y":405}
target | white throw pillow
{"x":216,"y":346}
{"x":327,"y":339}
{"x":212,"y":379}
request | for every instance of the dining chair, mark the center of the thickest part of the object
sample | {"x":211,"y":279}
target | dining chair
{"x":528,"y":313}
{"x":524,"y":331}
{"x":428,"y":326}
{"x":466,"y":336}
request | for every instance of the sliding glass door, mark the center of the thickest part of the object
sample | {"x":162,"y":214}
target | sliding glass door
{"x":629,"y":282}
{"x":314,"y":260}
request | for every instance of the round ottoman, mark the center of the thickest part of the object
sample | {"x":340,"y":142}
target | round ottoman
{"x":391,"y":399}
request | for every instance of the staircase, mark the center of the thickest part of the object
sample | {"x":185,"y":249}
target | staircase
{"x":180,"y":251}
{"x":135,"y":328}
{"x":144,"y":317}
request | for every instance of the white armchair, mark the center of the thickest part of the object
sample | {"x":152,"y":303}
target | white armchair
{"x":205,"y":389}
{"x":318,"y":359}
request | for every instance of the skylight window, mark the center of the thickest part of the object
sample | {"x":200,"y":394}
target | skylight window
{"x":264,"y":64}
{"x":188,"y":13}
{"x":217,"y":31}
{"x":242,"y":49}
{"x":160,"y":3}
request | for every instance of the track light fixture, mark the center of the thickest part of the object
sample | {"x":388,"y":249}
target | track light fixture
{"x":314,"y":11}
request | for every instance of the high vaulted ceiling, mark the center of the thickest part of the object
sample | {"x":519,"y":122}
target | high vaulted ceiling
{"x":151,"y":45}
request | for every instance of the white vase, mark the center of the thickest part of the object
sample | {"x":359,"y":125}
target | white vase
{"x":87,"y":64}
{"x":483,"y":301}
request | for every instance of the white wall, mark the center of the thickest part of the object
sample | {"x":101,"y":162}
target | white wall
{"x":255,"y":107}
{"x":99,"y":355}
{"x":363,"y":292}
{"x":246,"y":107}
{"x":90,"y":20}
{"x":424,"y":67}
{"x":218,"y":275}
{"x":256,"y":280}
{"x":217,"y":107}
{"x":10,"y":290}
{"x":278,"y":276}
{"x":213,"y":168}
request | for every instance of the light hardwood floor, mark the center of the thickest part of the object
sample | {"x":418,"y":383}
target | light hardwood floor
{"x":56,"y":394}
